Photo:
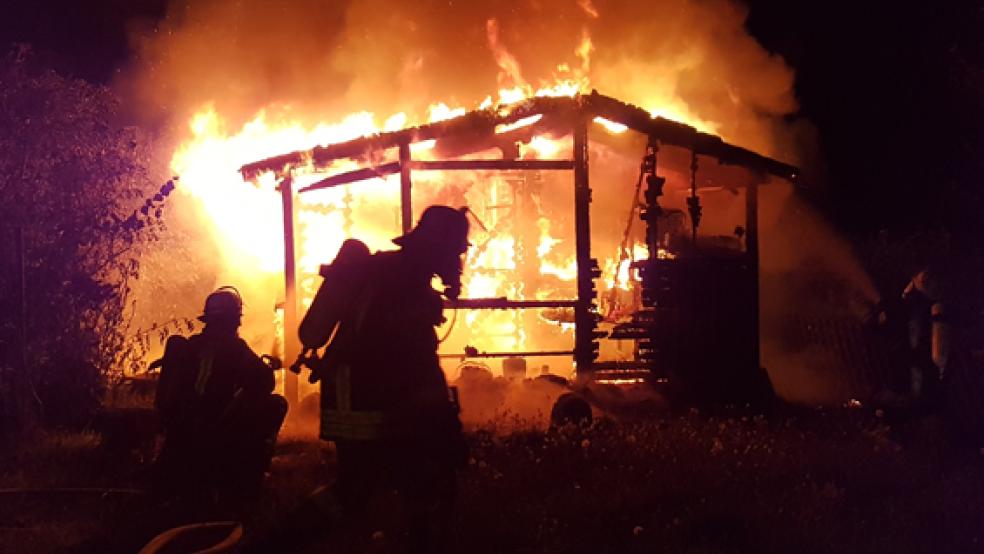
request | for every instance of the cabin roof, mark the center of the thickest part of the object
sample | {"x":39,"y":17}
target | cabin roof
{"x":558,"y":116}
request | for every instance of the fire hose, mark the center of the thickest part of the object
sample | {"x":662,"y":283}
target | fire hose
{"x":208,"y":531}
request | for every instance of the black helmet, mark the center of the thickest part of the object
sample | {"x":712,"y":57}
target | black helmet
{"x":224,"y":302}
{"x":440,"y":227}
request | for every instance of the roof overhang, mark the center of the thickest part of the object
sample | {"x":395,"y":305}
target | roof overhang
{"x":477,"y":130}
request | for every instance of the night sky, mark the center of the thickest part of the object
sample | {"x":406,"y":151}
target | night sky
{"x":895,"y":90}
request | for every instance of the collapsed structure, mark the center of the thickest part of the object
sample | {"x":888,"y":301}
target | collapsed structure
{"x":695,"y":323}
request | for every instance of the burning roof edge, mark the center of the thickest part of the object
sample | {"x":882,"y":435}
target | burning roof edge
{"x":588,"y":106}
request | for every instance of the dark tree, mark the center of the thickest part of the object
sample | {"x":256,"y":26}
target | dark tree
{"x":78,"y":206}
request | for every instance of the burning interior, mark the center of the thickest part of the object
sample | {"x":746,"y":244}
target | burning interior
{"x":638,"y":272}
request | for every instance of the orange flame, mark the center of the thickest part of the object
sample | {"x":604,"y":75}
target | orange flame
{"x":246,"y":219}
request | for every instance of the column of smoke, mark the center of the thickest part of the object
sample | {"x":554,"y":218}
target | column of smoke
{"x":326,"y":59}
{"x":813,"y":293}
{"x":316,"y":61}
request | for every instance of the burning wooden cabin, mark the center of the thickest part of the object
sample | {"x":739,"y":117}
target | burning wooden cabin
{"x":677,"y":301}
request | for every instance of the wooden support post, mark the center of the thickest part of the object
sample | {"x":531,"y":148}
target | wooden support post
{"x":751,"y":221}
{"x":752,"y":253}
{"x":292,"y":345}
{"x":406,"y":209}
{"x":653,"y":210}
{"x":584,"y":312}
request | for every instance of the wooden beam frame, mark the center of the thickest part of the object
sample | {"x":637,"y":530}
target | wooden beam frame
{"x":291,"y":345}
{"x":579,"y":110}
{"x":404,"y":166}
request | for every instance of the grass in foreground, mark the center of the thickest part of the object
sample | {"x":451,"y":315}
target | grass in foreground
{"x":814,"y":481}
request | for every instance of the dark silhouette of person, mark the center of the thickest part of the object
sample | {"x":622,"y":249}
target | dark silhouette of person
{"x":916,"y":334}
{"x":928,"y":338}
{"x":215,"y":400}
{"x":385,"y":400}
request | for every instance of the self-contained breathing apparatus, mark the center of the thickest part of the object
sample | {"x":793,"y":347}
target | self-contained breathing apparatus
{"x":349,"y":293}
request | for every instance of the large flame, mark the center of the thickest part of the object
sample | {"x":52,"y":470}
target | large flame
{"x":526,"y":255}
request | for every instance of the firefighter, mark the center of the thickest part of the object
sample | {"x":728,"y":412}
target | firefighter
{"x":215,"y":400}
{"x":928,"y":336}
{"x":385,"y":400}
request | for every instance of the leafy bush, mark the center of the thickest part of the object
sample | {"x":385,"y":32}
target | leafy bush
{"x":79,"y":200}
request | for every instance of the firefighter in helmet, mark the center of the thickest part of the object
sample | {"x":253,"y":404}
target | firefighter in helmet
{"x":215,"y":399}
{"x":385,"y":400}
{"x":929,"y":338}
